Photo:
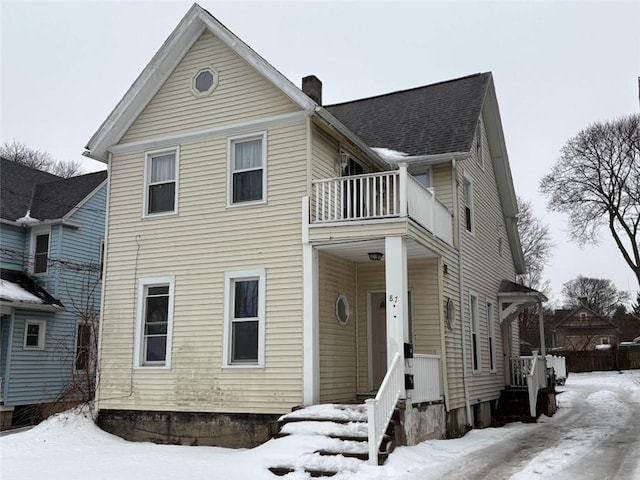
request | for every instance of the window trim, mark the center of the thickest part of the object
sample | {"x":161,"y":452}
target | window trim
{"x":468,"y":184}
{"x":479,"y":144}
{"x":92,"y":332}
{"x":229,"y":277}
{"x":41,"y":334}
{"x":491,"y":337}
{"x":474,"y":332}
{"x":197,"y":93}
{"x":231,"y":141}
{"x":144,"y":283}
{"x":35,"y":233}
{"x":148,"y":156}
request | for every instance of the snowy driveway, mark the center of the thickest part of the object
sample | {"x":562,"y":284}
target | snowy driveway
{"x":594,"y":435}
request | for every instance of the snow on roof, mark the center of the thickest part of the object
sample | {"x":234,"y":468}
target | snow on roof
{"x":389,"y":154}
{"x":11,"y":292}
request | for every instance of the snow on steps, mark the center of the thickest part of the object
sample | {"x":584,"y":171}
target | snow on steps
{"x":342,"y":432}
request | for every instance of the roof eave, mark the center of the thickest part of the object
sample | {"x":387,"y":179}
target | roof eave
{"x":500,"y":159}
{"x":154,"y":75}
{"x":42,"y":307}
{"x":333,"y":122}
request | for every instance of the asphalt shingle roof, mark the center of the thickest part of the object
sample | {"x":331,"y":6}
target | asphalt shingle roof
{"x":429,"y":120}
{"x":48,"y":196}
{"x":28,"y":284}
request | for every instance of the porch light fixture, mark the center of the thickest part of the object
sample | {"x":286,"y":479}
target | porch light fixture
{"x":375,"y":256}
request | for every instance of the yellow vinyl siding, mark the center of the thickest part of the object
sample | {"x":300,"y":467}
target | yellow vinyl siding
{"x":197,"y":246}
{"x":241,"y":94}
{"x":484,"y":267}
{"x":337,"y":342}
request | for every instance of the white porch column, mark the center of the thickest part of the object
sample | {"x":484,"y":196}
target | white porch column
{"x":311,"y":328}
{"x":543,"y":347}
{"x":395,"y":252}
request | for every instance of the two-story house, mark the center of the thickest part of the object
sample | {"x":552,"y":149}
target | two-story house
{"x":51,"y":233}
{"x":266,"y":251}
{"x":581,"y":328}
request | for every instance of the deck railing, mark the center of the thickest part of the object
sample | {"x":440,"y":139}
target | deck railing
{"x":520,"y":368}
{"x":380,"y":195}
{"x":380,"y":409}
{"x":427,"y":379}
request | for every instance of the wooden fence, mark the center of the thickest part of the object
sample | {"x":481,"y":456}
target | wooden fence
{"x":601,"y":360}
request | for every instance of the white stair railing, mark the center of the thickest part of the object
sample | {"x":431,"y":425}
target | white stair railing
{"x":520,"y":368}
{"x":380,"y":409}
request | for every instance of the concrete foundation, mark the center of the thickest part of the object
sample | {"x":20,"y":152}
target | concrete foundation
{"x":189,"y":428}
{"x":481,"y":415}
{"x":457,"y":424}
{"x":423,"y":422}
{"x":6,"y":417}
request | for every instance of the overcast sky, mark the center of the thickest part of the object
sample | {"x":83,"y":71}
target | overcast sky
{"x":557,"y":68}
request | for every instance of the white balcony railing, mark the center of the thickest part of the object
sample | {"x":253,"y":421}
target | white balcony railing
{"x":380,"y":409}
{"x":380,"y":195}
{"x":427,"y":380}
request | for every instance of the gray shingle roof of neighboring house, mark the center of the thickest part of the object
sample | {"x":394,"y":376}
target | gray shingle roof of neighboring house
{"x":434,"y":119}
{"x":48,"y":196}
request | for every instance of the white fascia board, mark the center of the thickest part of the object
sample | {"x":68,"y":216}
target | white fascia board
{"x":31,"y":306}
{"x":333,"y":122}
{"x":504,"y":179}
{"x":162,"y":65}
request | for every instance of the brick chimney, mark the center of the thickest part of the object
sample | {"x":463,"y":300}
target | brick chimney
{"x":312,"y":87}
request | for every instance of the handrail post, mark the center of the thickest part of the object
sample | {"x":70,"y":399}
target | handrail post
{"x":373,"y":441}
{"x":403,"y":194}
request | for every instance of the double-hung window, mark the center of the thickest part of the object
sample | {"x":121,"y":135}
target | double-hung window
{"x":247,"y":178}
{"x":161,"y":182}
{"x":244,"y":318}
{"x":40,"y":250}
{"x":84,"y":353}
{"x":491,"y":327}
{"x":34,"y":335}
{"x":155,"y":318}
{"x":475,"y":331}
{"x":467,"y":193}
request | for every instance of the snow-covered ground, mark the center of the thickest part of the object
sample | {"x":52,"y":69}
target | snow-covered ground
{"x":594,"y":435}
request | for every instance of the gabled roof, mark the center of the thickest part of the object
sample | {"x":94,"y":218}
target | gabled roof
{"x":571,"y":314}
{"x":48,"y":196}
{"x":19,"y":289}
{"x":430,"y":120}
{"x":16,"y":187}
{"x":55,"y":200}
{"x":192,"y":25}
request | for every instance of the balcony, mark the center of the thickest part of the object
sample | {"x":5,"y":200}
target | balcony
{"x":380,"y":195}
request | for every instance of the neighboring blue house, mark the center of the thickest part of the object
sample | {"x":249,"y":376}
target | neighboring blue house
{"x":51,"y":235}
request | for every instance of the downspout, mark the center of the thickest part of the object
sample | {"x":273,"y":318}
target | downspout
{"x":463,"y":332}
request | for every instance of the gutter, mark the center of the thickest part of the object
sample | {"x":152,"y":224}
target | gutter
{"x":463,"y":332}
{"x":44,"y":307}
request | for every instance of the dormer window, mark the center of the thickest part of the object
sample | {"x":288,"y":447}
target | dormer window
{"x":204,"y":82}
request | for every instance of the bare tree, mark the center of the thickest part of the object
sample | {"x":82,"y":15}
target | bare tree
{"x":536,"y":246}
{"x":598,"y":294}
{"x":39,"y":159}
{"x":596,"y":181}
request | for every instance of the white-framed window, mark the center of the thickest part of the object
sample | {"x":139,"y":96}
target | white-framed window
{"x":475,"y":331}
{"x":605,"y":341}
{"x":161,"y":182}
{"x":247,"y":182}
{"x":491,"y":337}
{"x":154,"y":321}
{"x":583,"y":316}
{"x":424,"y":178}
{"x":467,"y":197}
{"x":34,"y":331}
{"x":244,"y":318}
{"x":479,"y":144}
{"x":40,"y":240}
{"x":84,"y":351}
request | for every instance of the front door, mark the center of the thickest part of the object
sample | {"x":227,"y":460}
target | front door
{"x":378,"y":334}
